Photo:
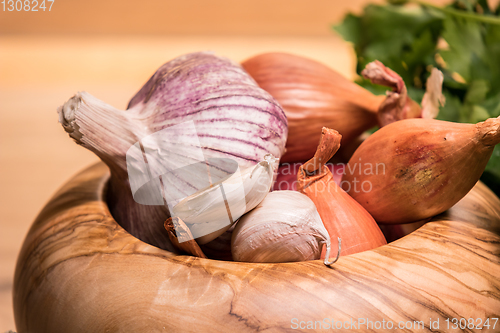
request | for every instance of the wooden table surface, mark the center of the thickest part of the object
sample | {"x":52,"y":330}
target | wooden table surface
{"x":39,"y":74}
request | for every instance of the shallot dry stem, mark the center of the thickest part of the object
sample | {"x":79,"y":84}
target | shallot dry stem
{"x":398,"y":105}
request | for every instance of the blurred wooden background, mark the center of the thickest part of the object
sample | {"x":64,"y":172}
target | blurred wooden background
{"x":249,"y":17}
{"x":110,"y":48}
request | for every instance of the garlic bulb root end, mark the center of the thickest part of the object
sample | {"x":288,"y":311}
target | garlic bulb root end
{"x":67,"y":117}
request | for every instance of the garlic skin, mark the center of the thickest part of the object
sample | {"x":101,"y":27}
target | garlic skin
{"x":284,"y":227}
{"x":177,"y":230}
{"x":233,"y":117}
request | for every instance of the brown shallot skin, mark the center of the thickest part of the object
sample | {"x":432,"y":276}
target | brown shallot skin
{"x":414,"y":169}
{"x":312,"y":96}
{"x":342,"y":216}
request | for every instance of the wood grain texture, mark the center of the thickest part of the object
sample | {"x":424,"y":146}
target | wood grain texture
{"x":79,"y":271}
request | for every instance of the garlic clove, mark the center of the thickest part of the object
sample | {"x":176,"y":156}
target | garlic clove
{"x":284,"y":227}
{"x":211,"y":211}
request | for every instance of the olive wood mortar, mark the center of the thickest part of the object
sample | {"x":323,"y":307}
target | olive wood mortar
{"x":79,"y":271}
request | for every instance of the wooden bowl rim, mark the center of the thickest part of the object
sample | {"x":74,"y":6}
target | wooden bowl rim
{"x":80,"y":204}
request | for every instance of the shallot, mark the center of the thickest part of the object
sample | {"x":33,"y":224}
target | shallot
{"x":313,"y":96}
{"x":414,"y":169}
{"x":342,"y":216}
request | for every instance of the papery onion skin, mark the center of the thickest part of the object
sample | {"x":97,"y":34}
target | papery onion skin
{"x":176,"y":229}
{"x":284,"y":227}
{"x":414,"y":169}
{"x":313,"y":96}
{"x":234,"y":119}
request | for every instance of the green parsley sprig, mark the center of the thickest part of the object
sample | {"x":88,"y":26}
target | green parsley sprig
{"x":461,"y":39}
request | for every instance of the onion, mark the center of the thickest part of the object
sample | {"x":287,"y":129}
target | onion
{"x":414,"y":169}
{"x":196,"y":120}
